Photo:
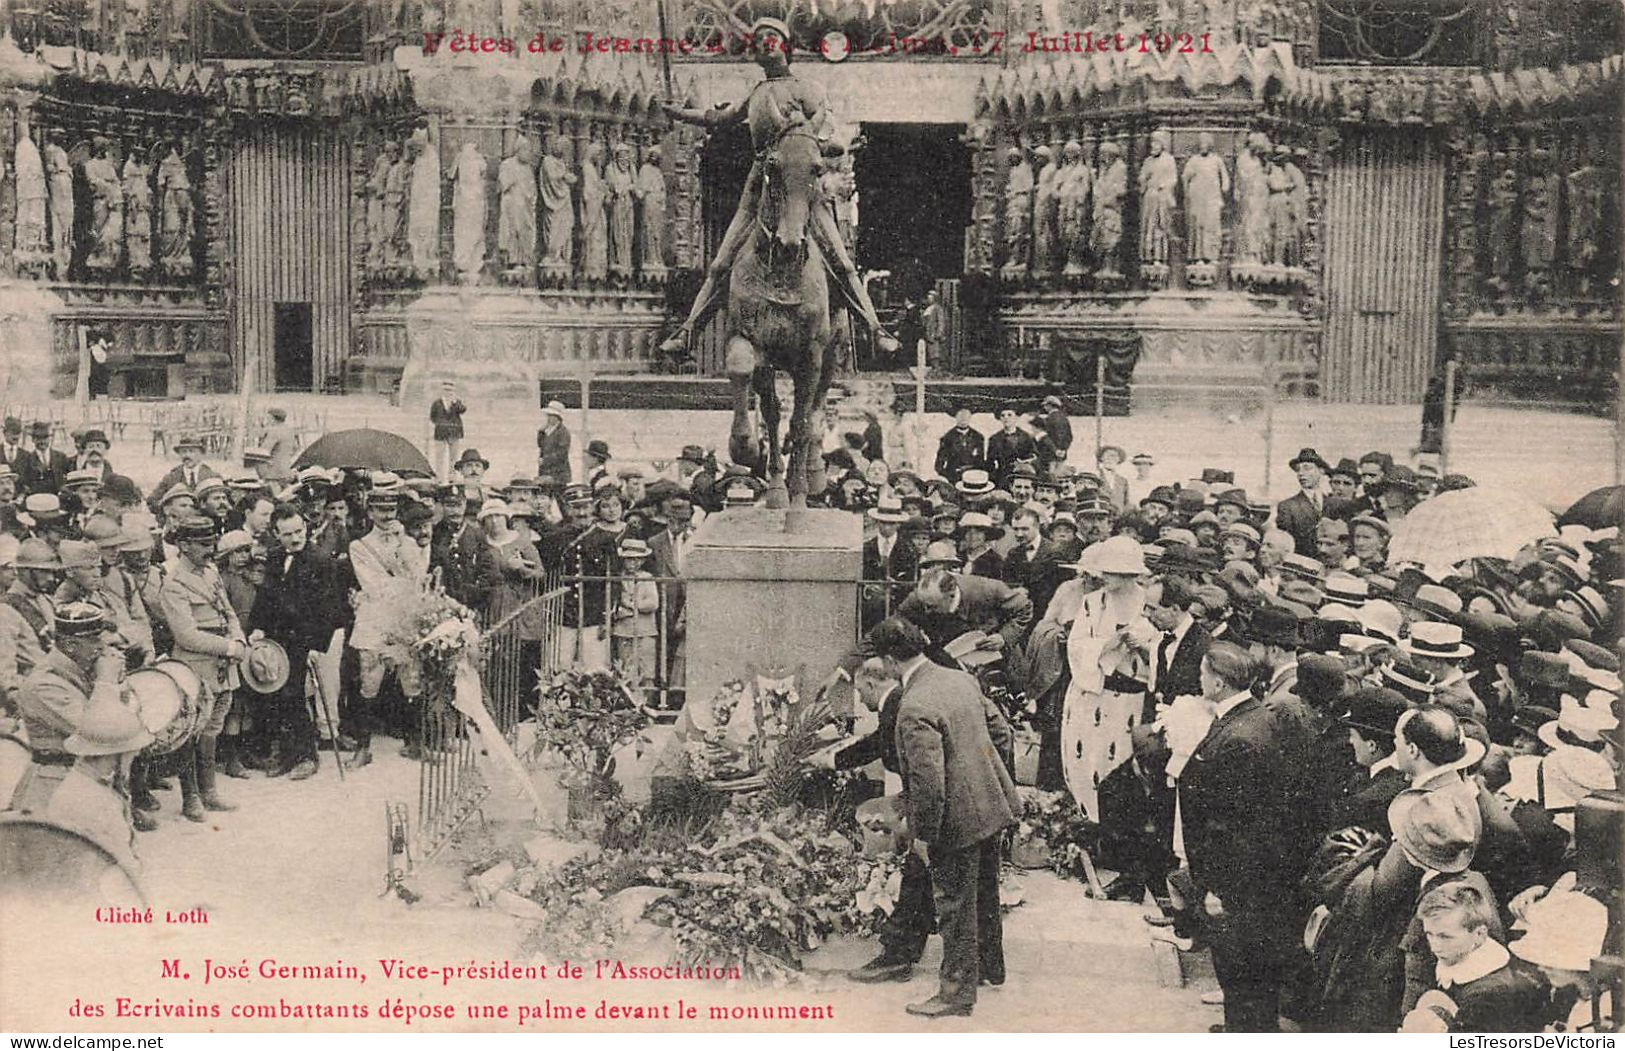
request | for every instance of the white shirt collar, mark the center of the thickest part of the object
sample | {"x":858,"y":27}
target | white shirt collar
{"x":1224,"y":707}
{"x":1482,"y":961}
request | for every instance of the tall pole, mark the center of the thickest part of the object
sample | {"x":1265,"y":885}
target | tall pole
{"x":919,"y":378}
{"x":586,"y":420}
{"x":1269,"y":421}
{"x":1100,"y":402}
{"x":1449,"y":415}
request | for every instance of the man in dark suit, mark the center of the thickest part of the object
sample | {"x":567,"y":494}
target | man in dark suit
{"x":553,"y":446}
{"x":959,"y":799}
{"x":1299,"y":513}
{"x":887,"y":559}
{"x":446,"y":417}
{"x":1008,"y":446}
{"x":962,"y":448}
{"x":12,"y":450}
{"x":668,"y":555}
{"x":299,"y":608}
{"x":904,"y":933}
{"x":1371,"y":714}
{"x":47,"y":469}
{"x":1240,"y":804}
{"x":118,"y":491}
{"x":1029,"y":540}
{"x":189,"y":472}
{"x":1177,"y":658}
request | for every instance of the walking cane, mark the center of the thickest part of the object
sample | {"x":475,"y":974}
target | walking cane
{"x":312,"y":675}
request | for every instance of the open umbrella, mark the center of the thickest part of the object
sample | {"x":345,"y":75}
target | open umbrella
{"x":1453,"y":527}
{"x":366,"y":449}
{"x":1599,"y":509}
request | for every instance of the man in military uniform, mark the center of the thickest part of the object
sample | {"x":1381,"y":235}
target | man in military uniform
{"x":26,"y":611}
{"x":458,"y":550}
{"x":385,"y":561}
{"x":85,"y":667}
{"x":208,"y":639}
{"x":89,"y":580}
{"x":91,"y":799}
{"x":775,"y":107}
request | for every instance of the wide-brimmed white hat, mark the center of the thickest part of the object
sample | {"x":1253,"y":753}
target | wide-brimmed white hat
{"x":1577,"y":725}
{"x":1566,"y":931}
{"x":1436,"y":639}
{"x":1119,"y":554}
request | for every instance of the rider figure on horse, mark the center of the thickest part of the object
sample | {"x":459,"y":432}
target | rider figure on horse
{"x":777,"y":106}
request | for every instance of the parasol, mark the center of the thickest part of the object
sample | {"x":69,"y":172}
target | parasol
{"x":366,"y":449}
{"x":1599,"y":509}
{"x":1451,"y":528}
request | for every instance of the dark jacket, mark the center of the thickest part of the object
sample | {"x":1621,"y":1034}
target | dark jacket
{"x":987,"y":564}
{"x":1182,"y":676}
{"x":1511,"y":999}
{"x":985,"y":605}
{"x":1297,"y":515}
{"x":959,"y":450}
{"x":48,"y":475}
{"x":1364,"y":801}
{"x":1003,"y":450}
{"x":447,"y":419}
{"x":1240,"y":802}
{"x":881,"y":744}
{"x":553,"y":454}
{"x":956,"y":790}
{"x":173,"y":477}
{"x":1057,"y":427}
{"x":299,"y":607}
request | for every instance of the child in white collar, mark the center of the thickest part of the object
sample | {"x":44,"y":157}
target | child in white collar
{"x":1478,"y":986}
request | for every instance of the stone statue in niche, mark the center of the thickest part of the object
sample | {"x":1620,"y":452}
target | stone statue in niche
{"x":650,"y":192}
{"x":32,"y":244}
{"x":1504,"y":221}
{"x":1288,"y":192}
{"x":137,"y":176}
{"x":1252,"y":202}
{"x":1072,"y":187}
{"x":1106,"y":224}
{"x":618,"y":181}
{"x":423,"y":207}
{"x":1586,"y":192}
{"x":594,"y":262}
{"x":1540,"y":223}
{"x":106,"y":207}
{"x":1159,"y":175}
{"x":558,"y":209}
{"x":468,"y":213}
{"x":380,"y":225}
{"x":59,"y":179}
{"x":1018,"y":207}
{"x":516,"y":217}
{"x":396,"y":187}
{"x":1207,"y":183}
{"x":175,"y":215}
{"x":1044,"y":211}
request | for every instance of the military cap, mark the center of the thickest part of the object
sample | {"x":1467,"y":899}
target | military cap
{"x":81,"y":618}
{"x":176,"y":492}
{"x":196,"y":528}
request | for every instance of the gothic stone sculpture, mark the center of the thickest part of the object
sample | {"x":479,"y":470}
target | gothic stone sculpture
{"x":469,"y":204}
{"x":558,"y":210}
{"x":650,"y":193}
{"x":516,"y":218}
{"x":1018,"y":205}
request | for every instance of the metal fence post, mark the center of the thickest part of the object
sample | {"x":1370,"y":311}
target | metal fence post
{"x":1449,"y":416}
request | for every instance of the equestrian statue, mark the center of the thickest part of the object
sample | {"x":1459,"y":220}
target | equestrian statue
{"x":782,"y":255}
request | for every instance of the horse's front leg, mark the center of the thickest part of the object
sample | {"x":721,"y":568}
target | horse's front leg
{"x":765,"y":382}
{"x":740,"y":362}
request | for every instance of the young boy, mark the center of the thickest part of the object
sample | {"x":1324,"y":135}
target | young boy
{"x":1478,"y":986}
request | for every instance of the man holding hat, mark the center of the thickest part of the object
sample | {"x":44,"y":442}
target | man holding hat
{"x":26,"y":615}
{"x":1299,"y":513}
{"x":446,"y":417}
{"x":82,"y":668}
{"x":189,"y":472}
{"x":46,"y":469}
{"x":208,"y":638}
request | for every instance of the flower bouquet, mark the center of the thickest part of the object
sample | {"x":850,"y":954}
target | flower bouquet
{"x":710,"y":754}
{"x":1054,"y":832}
{"x":586,"y":717}
{"x":425,"y":637}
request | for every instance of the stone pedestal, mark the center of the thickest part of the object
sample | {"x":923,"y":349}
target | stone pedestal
{"x":763,"y":597}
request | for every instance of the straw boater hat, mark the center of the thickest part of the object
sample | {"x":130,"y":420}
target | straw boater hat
{"x":1416,"y":684}
{"x":1346,"y":587}
{"x":1381,"y":618}
{"x":888,"y":509}
{"x":83,"y":476}
{"x":940,"y":553}
{"x":207,"y":486}
{"x":632,"y":547}
{"x":1577,"y":726}
{"x":975,"y":482}
{"x":1440,"y":641}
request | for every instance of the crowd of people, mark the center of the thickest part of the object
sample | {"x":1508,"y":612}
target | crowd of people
{"x":1355,"y":780}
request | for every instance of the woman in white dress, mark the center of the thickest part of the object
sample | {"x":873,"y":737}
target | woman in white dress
{"x":1108,"y":652}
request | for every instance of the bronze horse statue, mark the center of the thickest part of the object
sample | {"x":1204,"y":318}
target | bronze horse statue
{"x":779,"y":317}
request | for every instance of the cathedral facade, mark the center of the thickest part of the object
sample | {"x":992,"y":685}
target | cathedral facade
{"x":1335,"y":195}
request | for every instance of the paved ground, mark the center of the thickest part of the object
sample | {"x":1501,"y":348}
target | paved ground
{"x":1550,"y":456}
{"x":295,"y":876}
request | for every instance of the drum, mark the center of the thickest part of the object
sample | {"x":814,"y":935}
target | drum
{"x":167,"y":698}
{"x":46,"y":864}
